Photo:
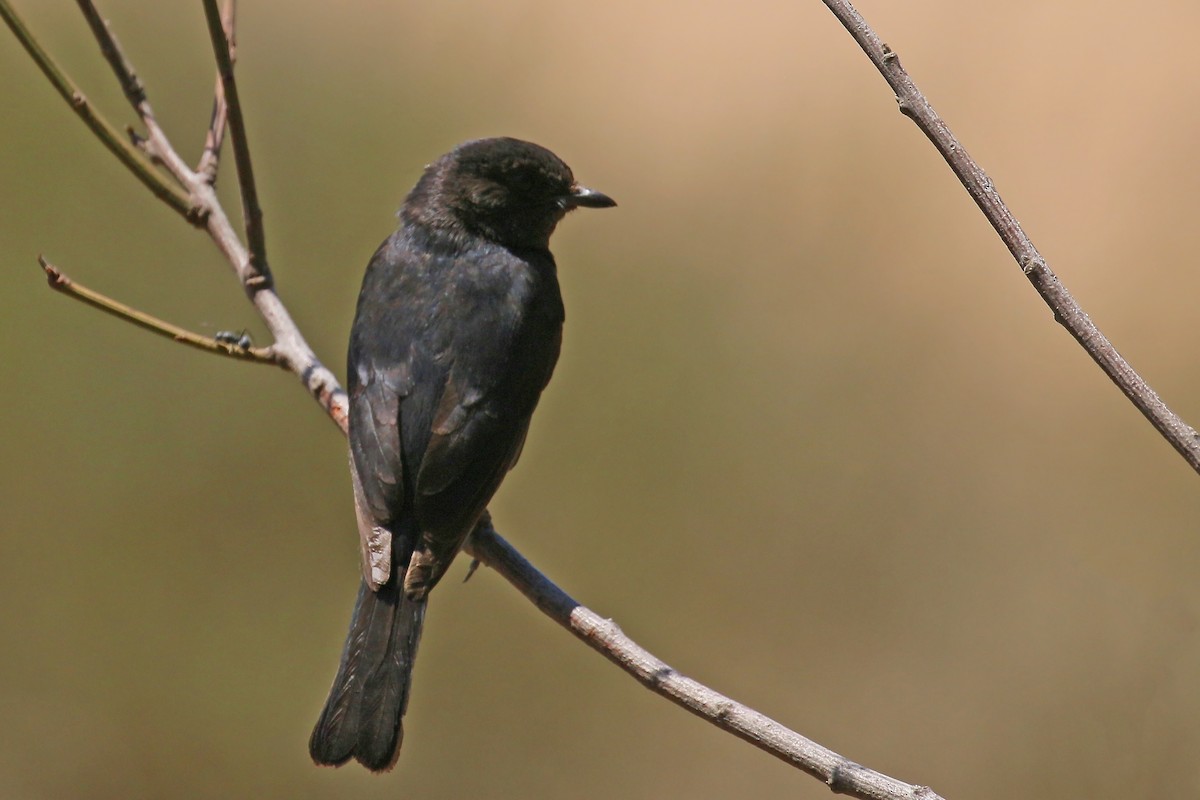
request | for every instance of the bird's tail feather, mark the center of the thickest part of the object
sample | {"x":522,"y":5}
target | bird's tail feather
{"x":362,"y":717}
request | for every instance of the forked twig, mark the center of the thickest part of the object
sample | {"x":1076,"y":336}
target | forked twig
{"x":155,"y":144}
{"x":108,"y":135}
{"x":201,"y":207}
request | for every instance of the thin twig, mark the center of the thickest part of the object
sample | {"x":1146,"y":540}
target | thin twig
{"x":605,"y":637}
{"x":215,"y":136}
{"x":155,"y":144}
{"x":134,"y":91}
{"x":252,"y":214}
{"x":60,"y":282}
{"x":108,"y":135}
{"x":1067,"y":312}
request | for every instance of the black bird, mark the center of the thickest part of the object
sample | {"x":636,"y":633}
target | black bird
{"x":457,"y":331}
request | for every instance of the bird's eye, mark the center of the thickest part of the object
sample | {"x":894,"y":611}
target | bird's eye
{"x":523,"y":183}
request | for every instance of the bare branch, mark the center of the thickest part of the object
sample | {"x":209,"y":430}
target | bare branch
{"x":108,"y":135}
{"x":213,"y":139}
{"x":60,"y":282}
{"x":605,"y":637}
{"x":1067,"y":312}
{"x":252,"y":213}
{"x":155,"y":144}
{"x":134,"y":91}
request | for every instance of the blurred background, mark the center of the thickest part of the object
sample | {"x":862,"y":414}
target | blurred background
{"x":813,"y":439}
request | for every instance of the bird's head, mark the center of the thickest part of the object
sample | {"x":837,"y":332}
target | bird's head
{"x":507,"y":191}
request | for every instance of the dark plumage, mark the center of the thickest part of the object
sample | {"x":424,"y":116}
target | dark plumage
{"x":457,"y":331}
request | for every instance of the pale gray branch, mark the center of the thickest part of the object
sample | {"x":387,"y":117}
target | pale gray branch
{"x":605,"y":637}
{"x":1067,"y":312}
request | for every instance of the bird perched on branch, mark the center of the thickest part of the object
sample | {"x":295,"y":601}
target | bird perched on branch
{"x":457,"y":331}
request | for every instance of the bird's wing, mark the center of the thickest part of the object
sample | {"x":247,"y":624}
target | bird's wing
{"x":376,"y":467}
{"x":472,"y":444}
{"x":462,"y":425}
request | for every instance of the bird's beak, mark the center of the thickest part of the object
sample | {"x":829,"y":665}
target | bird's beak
{"x":583,"y":197}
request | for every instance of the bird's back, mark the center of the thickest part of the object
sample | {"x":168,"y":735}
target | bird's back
{"x":449,"y":353}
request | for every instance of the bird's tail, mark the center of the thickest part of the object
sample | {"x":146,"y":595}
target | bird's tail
{"x":362,"y":717}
